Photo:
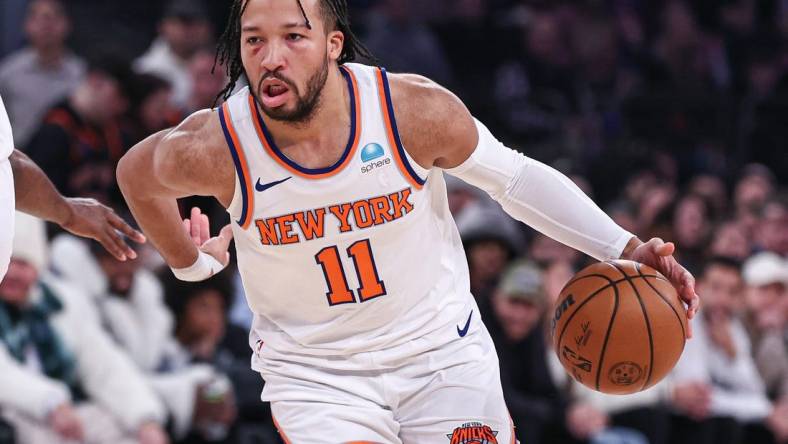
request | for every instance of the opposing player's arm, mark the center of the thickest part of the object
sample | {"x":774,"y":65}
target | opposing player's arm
{"x":36,"y":195}
{"x":188,"y":160}
{"x":437,"y":130}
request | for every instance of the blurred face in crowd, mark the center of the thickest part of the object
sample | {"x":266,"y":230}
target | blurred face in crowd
{"x":721,"y":287}
{"x":730,"y":240}
{"x":639,"y":185}
{"x":679,"y":23}
{"x":690,"y":222}
{"x":712,"y":189}
{"x":545,"y":40}
{"x":487,"y":259}
{"x":120,"y":274}
{"x":186,"y":35}
{"x":518,"y":317}
{"x":46,"y":25}
{"x":765,"y":298}
{"x":205,"y":85}
{"x":772,"y":233}
{"x":556,"y":275}
{"x":153,"y":111}
{"x":106,"y":102}
{"x":751,"y":192}
{"x":286,"y":63}
{"x":203,"y":318}
{"x":19,"y":280}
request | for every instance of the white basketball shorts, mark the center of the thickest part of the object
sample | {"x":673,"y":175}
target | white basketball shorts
{"x":447,"y":395}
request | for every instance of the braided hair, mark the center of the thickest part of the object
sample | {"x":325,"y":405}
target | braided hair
{"x":335,"y":16}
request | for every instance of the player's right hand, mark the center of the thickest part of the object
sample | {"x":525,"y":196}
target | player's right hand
{"x":199,"y":228}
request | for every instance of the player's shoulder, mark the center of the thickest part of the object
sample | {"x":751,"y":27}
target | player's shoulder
{"x":201,"y":128}
{"x":430,"y":118}
{"x":416,"y":94}
{"x":198,"y":139}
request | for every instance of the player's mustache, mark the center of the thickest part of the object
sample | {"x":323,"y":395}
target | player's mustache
{"x":290,"y":84}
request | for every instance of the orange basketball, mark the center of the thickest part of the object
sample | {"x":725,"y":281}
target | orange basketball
{"x":619,"y":327}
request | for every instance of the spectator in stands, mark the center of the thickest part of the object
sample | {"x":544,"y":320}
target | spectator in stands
{"x":403,"y":42}
{"x":718,"y":394}
{"x":730,"y":239}
{"x":40,"y":75}
{"x":751,"y":192}
{"x":150,"y":109}
{"x":535,"y":92}
{"x":491,"y":240}
{"x":772,"y":234}
{"x":80,"y":142}
{"x":184,"y":29}
{"x":766,"y":276}
{"x":61,"y":378}
{"x":519,"y":304}
{"x":129,"y":303}
{"x":207,"y":82}
{"x":691,"y":229}
{"x":205,"y":336}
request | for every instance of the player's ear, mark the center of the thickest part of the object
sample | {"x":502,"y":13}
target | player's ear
{"x":335,"y":42}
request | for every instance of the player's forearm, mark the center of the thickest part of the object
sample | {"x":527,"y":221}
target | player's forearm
{"x":35,"y":193}
{"x":543,"y":198}
{"x":154,"y":205}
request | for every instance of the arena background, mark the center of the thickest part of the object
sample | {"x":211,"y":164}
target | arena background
{"x":672,"y":115}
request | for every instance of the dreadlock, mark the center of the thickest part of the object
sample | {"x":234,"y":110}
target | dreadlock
{"x":228,"y":52}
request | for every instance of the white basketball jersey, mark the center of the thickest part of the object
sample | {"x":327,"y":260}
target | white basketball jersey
{"x":359,"y":256}
{"x":6,"y":138}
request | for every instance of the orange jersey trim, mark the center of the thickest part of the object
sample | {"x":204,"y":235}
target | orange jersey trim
{"x":279,"y":430}
{"x":241,"y":166}
{"x":395,"y":142}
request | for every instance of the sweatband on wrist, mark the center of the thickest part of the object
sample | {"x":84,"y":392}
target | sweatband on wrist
{"x":203,"y":268}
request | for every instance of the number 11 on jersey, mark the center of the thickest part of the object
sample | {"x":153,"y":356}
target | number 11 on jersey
{"x":339,"y":291}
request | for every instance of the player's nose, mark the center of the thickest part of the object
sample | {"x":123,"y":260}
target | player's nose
{"x":273,"y":59}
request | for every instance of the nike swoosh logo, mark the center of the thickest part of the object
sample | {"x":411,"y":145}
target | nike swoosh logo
{"x":464,"y":330}
{"x":260,"y":187}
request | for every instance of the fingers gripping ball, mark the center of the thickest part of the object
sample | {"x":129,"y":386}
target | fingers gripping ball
{"x":619,"y":327}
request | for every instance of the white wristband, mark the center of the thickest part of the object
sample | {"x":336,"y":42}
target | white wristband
{"x":203,"y":268}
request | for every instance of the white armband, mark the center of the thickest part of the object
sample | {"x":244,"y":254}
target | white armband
{"x":541,"y":197}
{"x":202,"y":269}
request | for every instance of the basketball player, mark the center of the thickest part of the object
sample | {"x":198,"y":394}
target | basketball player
{"x":24,"y":187}
{"x":332,"y":172}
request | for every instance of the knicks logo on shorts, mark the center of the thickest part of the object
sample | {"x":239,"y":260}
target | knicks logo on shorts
{"x":473,"y":433}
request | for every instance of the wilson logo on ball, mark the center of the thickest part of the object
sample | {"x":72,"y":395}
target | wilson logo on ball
{"x":561,"y":309}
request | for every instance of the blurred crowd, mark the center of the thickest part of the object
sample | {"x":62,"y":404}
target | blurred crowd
{"x":671,"y":115}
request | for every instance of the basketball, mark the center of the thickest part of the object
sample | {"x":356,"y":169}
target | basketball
{"x":619,"y":327}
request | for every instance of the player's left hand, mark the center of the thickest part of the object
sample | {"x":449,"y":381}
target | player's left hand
{"x":658,"y":254}
{"x":199,"y":228}
{"x":88,"y":218}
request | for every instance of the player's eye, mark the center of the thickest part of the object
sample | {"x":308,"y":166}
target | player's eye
{"x":294,"y":37}
{"x":253,"y":40}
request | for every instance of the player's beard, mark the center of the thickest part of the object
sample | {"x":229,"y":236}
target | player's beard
{"x":306,"y":105}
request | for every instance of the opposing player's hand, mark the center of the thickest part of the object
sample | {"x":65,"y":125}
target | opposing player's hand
{"x":659,"y":255}
{"x":199,"y":228}
{"x":88,"y":218}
